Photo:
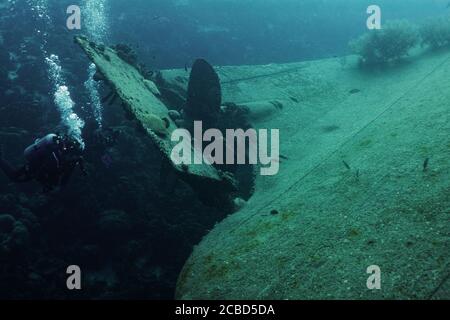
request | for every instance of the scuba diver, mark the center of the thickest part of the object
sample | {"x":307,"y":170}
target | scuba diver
{"x":50,"y":161}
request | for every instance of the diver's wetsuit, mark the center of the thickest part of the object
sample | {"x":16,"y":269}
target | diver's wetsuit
{"x":51,"y":168}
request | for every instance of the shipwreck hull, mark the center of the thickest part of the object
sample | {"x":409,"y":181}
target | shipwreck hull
{"x":139,"y":97}
{"x":365,"y":180}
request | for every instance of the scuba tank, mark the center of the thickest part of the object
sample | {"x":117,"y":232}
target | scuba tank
{"x":41,"y":147}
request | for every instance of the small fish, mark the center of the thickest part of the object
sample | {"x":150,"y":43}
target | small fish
{"x":330,"y":128}
{"x":346,"y":165}
{"x":425,"y":164}
{"x":284,"y":157}
{"x":353,"y":91}
{"x":186,"y":67}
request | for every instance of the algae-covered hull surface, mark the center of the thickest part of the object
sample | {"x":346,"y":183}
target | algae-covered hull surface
{"x":365,"y":183}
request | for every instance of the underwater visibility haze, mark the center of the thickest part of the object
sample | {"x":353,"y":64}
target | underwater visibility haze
{"x":319,"y":132}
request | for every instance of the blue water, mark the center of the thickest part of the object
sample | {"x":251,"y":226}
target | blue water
{"x":131,"y":235}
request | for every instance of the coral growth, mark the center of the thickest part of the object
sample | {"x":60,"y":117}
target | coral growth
{"x":130,"y":56}
{"x":126,"y":53}
{"x":387,"y":45}
{"x":436,"y":33}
